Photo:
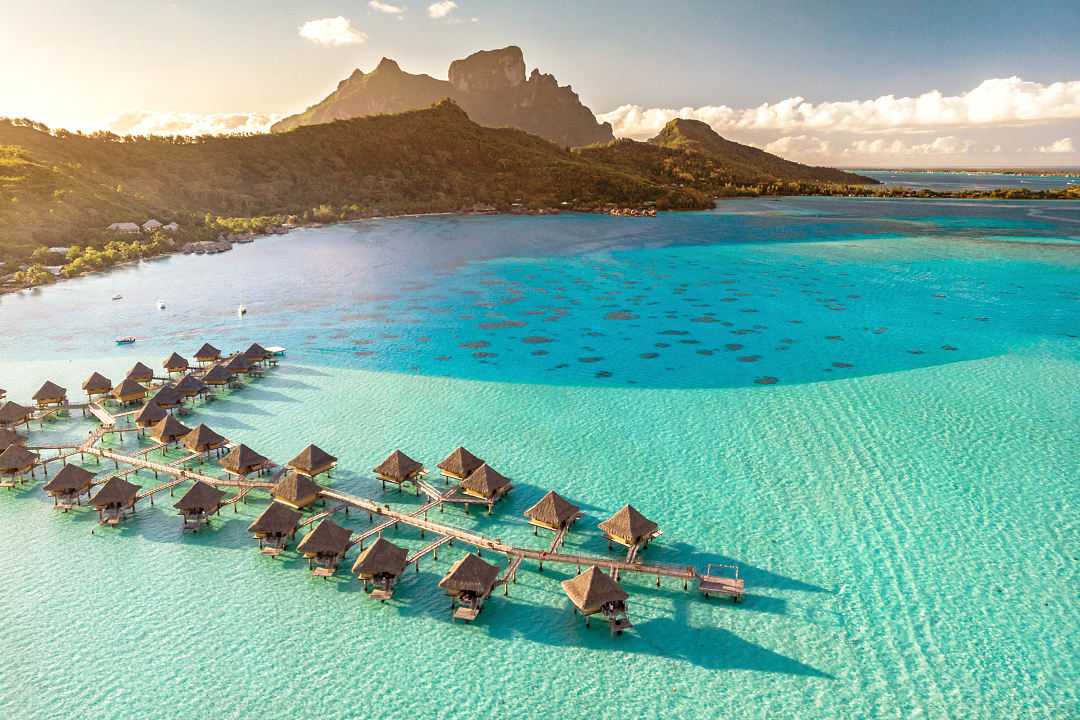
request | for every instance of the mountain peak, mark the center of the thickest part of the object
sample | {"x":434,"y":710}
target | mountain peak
{"x":387,"y":65}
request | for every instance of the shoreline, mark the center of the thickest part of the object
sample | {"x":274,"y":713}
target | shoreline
{"x":879,"y":192}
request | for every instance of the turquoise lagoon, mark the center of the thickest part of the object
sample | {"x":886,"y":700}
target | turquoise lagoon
{"x":870,"y":406}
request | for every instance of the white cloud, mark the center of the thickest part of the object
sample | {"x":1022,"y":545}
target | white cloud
{"x":1064,"y":145}
{"x":441,"y":9}
{"x":1000,"y":101}
{"x":799,"y":146}
{"x":385,"y":7}
{"x":147,"y":122}
{"x":332,"y":32}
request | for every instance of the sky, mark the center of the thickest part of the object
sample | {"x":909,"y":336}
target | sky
{"x":914,"y":84}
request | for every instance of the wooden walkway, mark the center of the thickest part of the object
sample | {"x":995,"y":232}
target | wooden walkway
{"x":320,"y":515}
{"x":480,"y":542}
{"x":431,"y":547}
{"x":101,"y":414}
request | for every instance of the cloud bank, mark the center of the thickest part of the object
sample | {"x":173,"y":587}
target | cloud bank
{"x":995,"y":102}
{"x":1064,"y":145}
{"x":147,"y":122}
{"x":332,"y":32}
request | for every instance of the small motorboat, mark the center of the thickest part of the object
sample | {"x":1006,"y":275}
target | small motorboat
{"x":160,"y":304}
{"x":242,"y":310}
{"x":117,"y":296}
{"x":125,"y":340}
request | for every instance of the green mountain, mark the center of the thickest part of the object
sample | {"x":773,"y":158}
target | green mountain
{"x":490,"y":85}
{"x":59,"y":188}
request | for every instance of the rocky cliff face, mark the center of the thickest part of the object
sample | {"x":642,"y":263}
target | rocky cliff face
{"x":489,"y":85}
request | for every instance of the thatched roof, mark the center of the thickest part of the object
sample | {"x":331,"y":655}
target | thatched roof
{"x":169,"y":429}
{"x":381,"y":558}
{"x":217,"y":375}
{"x":71,"y":478}
{"x":202,"y":438}
{"x":12,"y":412}
{"x":553,"y":509}
{"x":461,"y":462}
{"x":207,"y":352}
{"x":398,"y":467}
{"x":629,"y":524}
{"x":50,"y":391}
{"x":312,"y":460}
{"x":295,"y":487}
{"x":10,"y":437}
{"x":257,"y":352}
{"x":129,"y":388}
{"x":486,"y":481}
{"x":592,"y":589}
{"x":175,"y":362}
{"x":115,"y":491}
{"x":97,"y":383}
{"x":241,"y":460}
{"x":141,"y":372}
{"x":202,"y":497}
{"x":167,"y":396}
{"x":16,"y":459}
{"x":470,"y":574}
{"x":190,"y":386}
{"x":151,"y":414}
{"x":238,"y":363}
{"x":328,"y":538}
{"x":276,"y":519}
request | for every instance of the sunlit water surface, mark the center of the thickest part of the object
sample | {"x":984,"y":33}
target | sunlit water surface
{"x":870,"y":406}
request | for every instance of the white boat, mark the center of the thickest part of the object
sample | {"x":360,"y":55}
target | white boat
{"x":117,"y":296}
{"x":160,"y":304}
{"x":242,"y":310}
{"x":125,"y":340}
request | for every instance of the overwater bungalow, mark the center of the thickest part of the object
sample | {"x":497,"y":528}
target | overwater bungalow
{"x":313,"y":461}
{"x":207,"y":354}
{"x":594,"y":591}
{"x":50,"y":395}
{"x":380,"y":565}
{"x":242,"y":460}
{"x":15,"y":462}
{"x":97,"y":385}
{"x":113,"y":501}
{"x":274,"y":527}
{"x":169,"y":430}
{"x":629,"y":527}
{"x":239,"y":364}
{"x":68,"y":486}
{"x":12,"y":414}
{"x":203,"y":440}
{"x":129,"y":391}
{"x":167,"y":397}
{"x":553,"y":512}
{"x":325,"y":547}
{"x":218,"y":376}
{"x":296,"y":490}
{"x":257,"y":353}
{"x":399,"y":468}
{"x":486,"y":483}
{"x":141,"y":373}
{"x":198,"y":504}
{"x":191,"y":386}
{"x":10,"y":437}
{"x":175,"y":363}
{"x":469,"y":584}
{"x":150,"y":414}
{"x":459,"y":465}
